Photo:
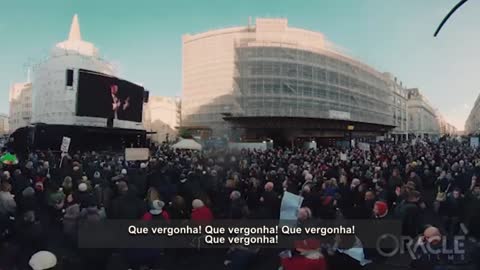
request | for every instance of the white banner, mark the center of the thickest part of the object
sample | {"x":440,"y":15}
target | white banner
{"x":364,"y":146}
{"x":474,"y":142}
{"x":262,"y":146}
{"x":291,"y":203}
{"x":132,"y":154}
{"x":65,"y":144}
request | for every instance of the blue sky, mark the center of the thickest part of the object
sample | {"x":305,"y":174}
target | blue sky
{"x":143,"y":38}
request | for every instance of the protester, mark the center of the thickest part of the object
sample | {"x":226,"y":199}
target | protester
{"x":415,"y":184}
{"x":201,"y":213}
{"x":309,"y":256}
{"x":43,"y":260}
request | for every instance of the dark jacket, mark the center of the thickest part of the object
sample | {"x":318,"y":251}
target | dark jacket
{"x":270,"y":207}
{"x":238,"y":209}
{"x":139,"y":180}
{"x":411,"y":217}
{"x":126,"y":206}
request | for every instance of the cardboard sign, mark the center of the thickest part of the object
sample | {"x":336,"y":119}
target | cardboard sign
{"x":65,"y":144}
{"x":291,"y":203}
{"x":474,"y":142}
{"x":132,"y":154}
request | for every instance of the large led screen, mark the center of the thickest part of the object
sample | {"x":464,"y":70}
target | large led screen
{"x":103,"y":96}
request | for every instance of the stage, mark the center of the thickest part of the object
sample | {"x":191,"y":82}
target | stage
{"x":83,"y":138}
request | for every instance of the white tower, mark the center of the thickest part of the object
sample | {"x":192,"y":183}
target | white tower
{"x":54,"y":102}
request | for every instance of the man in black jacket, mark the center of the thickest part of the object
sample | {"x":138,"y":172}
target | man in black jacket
{"x":126,"y":205}
{"x":411,"y":215}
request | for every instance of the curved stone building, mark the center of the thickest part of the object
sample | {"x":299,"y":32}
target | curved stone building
{"x":270,"y":80}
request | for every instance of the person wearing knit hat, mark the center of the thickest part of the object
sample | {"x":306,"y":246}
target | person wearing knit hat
{"x":67,"y":185}
{"x":156,"y":212}
{"x":39,"y":186}
{"x":82,"y":187}
{"x":28,"y":192}
{"x":197,"y":203}
{"x":56,"y":199}
{"x":143,"y":165}
{"x":200,"y":212}
{"x":380,"y":209}
{"x":235,"y":195}
{"x":43,"y":260}
{"x":157,"y":207}
{"x":29,"y":165}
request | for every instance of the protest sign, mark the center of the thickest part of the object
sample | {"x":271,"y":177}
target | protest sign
{"x":291,"y":203}
{"x":65,"y":144}
{"x":133,"y":154}
{"x":474,"y":142}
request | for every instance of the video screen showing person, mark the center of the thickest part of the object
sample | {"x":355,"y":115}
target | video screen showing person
{"x":108,"y":97}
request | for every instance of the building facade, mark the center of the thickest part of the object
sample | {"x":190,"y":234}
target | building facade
{"x":472,"y":124}
{"x":4,"y":125}
{"x":422,"y":117}
{"x":162,"y":116}
{"x":20,"y":100}
{"x":399,"y":108}
{"x":271,"y":70}
{"x":54,"y":101}
{"x":446,"y":129}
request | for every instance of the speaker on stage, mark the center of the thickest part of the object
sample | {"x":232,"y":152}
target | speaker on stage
{"x":69,"y":77}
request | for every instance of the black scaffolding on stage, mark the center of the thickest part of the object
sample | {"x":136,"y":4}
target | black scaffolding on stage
{"x":83,"y":138}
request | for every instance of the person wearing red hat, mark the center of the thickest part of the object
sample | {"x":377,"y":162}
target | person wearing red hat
{"x":309,"y":258}
{"x":380,"y":209}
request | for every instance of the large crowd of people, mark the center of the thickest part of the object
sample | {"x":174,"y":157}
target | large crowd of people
{"x":431,"y":188}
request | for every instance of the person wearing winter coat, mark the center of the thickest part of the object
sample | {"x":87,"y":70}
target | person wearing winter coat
{"x":156,"y":212}
{"x":91,"y":212}
{"x":27,"y":200}
{"x":238,"y":207}
{"x":411,"y":214}
{"x":200,"y":213}
{"x":20,"y":182}
{"x":83,"y":195}
{"x":70,"y":220}
{"x":453,"y":211}
{"x":178,"y":209}
{"x":126,"y":205}
{"x":43,"y":260}
{"x":308,"y":256}
{"x":380,"y":209}
{"x":31,"y":235}
{"x":269,"y":202}
{"x":7,"y":199}
{"x":139,"y":180}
